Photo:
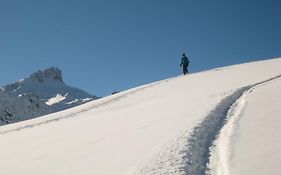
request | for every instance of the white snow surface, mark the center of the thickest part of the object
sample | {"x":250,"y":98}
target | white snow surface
{"x":165,"y":127}
{"x":58,"y":98}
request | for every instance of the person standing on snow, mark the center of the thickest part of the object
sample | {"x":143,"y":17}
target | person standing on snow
{"x":184,"y":64}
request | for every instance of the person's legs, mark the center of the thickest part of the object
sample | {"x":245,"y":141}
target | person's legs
{"x":184,"y":69}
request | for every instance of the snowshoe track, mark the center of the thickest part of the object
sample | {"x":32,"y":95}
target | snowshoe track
{"x":203,"y":136}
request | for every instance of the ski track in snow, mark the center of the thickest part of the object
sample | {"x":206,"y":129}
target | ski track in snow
{"x":205,"y":136}
{"x":220,"y":151}
{"x":190,"y":153}
{"x":94,"y":106}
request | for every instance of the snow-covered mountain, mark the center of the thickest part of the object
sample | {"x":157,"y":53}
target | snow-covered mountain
{"x":44,"y":89}
{"x":224,"y":121}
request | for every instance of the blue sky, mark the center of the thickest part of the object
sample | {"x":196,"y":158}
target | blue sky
{"x":103,"y":46}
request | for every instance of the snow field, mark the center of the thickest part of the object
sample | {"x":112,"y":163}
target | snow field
{"x":146,"y":130}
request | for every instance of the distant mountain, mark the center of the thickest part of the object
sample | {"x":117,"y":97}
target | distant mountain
{"x":45,"y":88}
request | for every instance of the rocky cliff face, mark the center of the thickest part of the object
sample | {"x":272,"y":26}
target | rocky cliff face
{"x":50,"y":73}
{"x":17,"y":108}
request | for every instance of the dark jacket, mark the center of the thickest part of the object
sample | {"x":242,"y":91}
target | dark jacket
{"x":184,"y":61}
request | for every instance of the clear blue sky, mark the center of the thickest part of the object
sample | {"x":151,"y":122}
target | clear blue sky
{"x":103,"y":46}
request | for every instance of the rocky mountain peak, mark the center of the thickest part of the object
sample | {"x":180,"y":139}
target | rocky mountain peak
{"x":52,"y":73}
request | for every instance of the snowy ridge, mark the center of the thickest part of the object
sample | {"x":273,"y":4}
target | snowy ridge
{"x":163,"y":128}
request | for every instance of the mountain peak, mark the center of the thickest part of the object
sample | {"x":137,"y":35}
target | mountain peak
{"x":52,"y":73}
{"x":43,"y":92}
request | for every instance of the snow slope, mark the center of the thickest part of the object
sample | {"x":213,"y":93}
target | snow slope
{"x":166,"y":127}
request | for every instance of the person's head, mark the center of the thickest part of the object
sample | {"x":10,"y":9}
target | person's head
{"x":183,"y":54}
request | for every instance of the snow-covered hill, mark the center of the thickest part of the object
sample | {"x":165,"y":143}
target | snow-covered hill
{"x":222,"y":121}
{"x":46,"y":89}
